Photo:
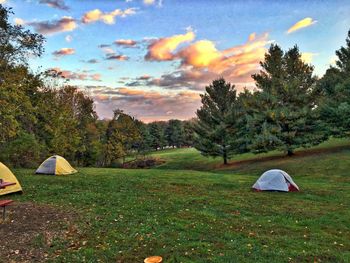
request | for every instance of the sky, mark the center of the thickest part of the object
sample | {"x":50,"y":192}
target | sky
{"x":152,"y":58}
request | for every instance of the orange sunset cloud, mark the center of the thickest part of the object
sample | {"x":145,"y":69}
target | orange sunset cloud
{"x":306,"y":22}
{"x":162,"y":48}
{"x":202,"y":61}
{"x":106,"y":17}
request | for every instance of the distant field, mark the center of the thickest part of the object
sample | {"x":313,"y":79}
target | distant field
{"x":191,"y":209}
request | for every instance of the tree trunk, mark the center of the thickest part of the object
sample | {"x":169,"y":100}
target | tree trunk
{"x":225,"y":155}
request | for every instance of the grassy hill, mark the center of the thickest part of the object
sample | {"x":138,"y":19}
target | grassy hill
{"x":192,"y":209}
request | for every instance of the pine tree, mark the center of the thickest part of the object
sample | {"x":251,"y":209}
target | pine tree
{"x":174,"y":133}
{"x":216,"y":128}
{"x":282,"y":114}
{"x":335,"y":88}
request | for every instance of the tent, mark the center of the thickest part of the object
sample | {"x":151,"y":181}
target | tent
{"x":7,"y":176}
{"x":275,"y":180}
{"x":55,"y":165}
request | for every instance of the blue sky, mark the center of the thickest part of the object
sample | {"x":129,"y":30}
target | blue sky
{"x":169,"y":50}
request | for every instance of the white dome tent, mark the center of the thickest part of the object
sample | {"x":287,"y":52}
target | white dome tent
{"x":275,"y":180}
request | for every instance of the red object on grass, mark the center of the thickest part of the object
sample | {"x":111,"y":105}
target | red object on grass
{"x":4,"y":203}
{"x":6,"y":184}
{"x":292,"y":188}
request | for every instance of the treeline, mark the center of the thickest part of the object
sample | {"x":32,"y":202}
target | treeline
{"x":40,"y":115}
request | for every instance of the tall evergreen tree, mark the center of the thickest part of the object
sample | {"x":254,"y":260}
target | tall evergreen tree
{"x":188,"y":139}
{"x":282,"y":115}
{"x":174,"y":133}
{"x":335,"y":88}
{"x":216,"y":128}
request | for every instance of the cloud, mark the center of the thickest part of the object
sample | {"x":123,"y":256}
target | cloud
{"x":308,"y":56}
{"x":63,"y":52}
{"x":106,"y":17}
{"x":2,"y":1}
{"x":162,"y":48}
{"x":19,"y":21}
{"x":125,"y":42}
{"x":68,"y":38}
{"x":59,"y":4}
{"x":149,"y":2}
{"x":200,"y":54}
{"x":306,"y":22}
{"x":144,"y":77}
{"x":159,"y":3}
{"x":143,"y":80}
{"x":96,"y":77}
{"x":92,"y":61}
{"x":78,"y":75}
{"x":64,"y":24}
{"x":333,"y":60}
{"x":117,"y":57}
{"x":147,"y":105}
{"x":202,"y":61}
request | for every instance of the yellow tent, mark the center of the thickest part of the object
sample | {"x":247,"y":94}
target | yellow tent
{"x":7,"y":176}
{"x":56,"y":165}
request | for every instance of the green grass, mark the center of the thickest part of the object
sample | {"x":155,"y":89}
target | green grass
{"x":191,"y":209}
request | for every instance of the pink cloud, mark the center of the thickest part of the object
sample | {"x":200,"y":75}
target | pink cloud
{"x":147,"y":105}
{"x":125,"y":42}
{"x":64,"y":52}
{"x":78,"y":75}
{"x":64,"y":24}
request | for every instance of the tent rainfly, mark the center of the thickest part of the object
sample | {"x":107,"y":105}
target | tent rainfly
{"x":7,"y":176}
{"x":275,"y":180}
{"x":55,"y":165}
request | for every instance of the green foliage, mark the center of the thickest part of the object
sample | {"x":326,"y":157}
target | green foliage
{"x":24,"y":151}
{"x":122,"y":134}
{"x":16,"y":44}
{"x":188,"y":137}
{"x":174,"y":133}
{"x":157,"y":136}
{"x":335,"y":88}
{"x":216,"y":129}
{"x":143,"y":144}
{"x":281,"y":114}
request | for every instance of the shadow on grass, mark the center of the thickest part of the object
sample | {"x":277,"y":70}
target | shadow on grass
{"x":277,"y":157}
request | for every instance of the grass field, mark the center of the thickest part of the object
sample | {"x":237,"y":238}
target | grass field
{"x":192,"y":209}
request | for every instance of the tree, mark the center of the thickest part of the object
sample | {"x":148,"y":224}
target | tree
{"x":156,"y":132}
{"x":188,"y":138}
{"x":17,"y":85}
{"x":16,"y":44}
{"x":174,"y":133}
{"x":216,"y":128}
{"x":282,"y":112}
{"x":143,"y":145}
{"x":122,"y":134}
{"x":335,"y":88}
{"x":23,"y":151}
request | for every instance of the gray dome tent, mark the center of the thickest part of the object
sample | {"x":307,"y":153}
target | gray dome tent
{"x":275,"y":180}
